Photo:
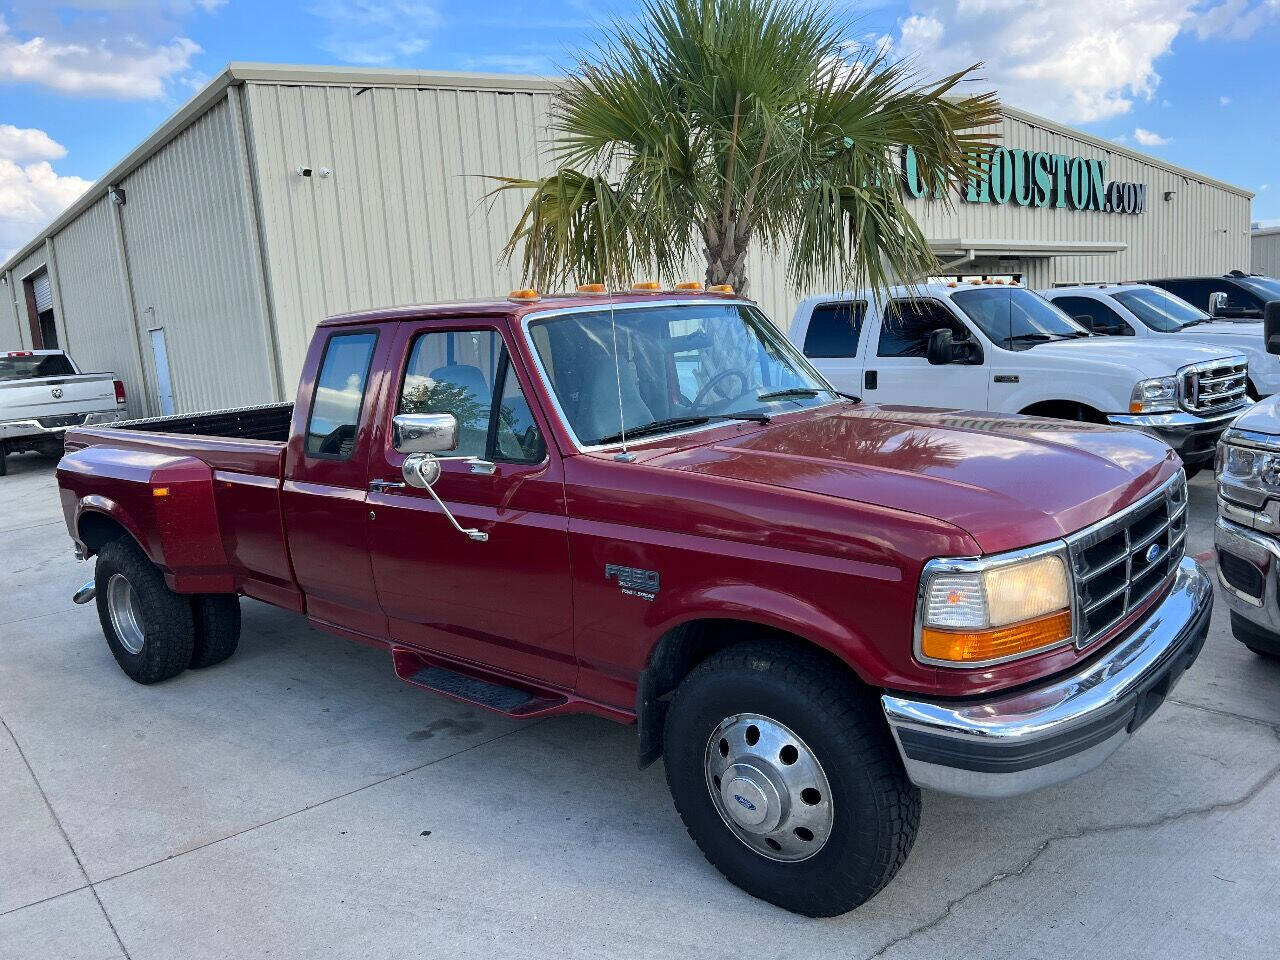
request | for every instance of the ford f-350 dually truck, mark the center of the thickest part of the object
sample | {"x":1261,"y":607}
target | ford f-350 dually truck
{"x":648,"y":506}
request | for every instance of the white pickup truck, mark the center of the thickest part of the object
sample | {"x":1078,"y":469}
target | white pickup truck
{"x":988,"y":346}
{"x":1141,"y":310}
{"x":42,"y":392}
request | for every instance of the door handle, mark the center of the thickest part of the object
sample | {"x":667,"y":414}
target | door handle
{"x":870,"y":380}
{"x":382,"y":486}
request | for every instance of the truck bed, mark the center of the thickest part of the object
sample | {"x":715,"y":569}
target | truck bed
{"x":266,"y":422}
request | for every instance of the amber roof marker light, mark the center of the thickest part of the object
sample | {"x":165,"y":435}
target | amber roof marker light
{"x":593,"y":289}
{"x":525,"y":295}
{"x":721,"y":288}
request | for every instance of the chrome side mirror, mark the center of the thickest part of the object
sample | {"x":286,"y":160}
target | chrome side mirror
{"x":424,"y":432}
{"x":422,"y":470}
{"x":1217,"y":303}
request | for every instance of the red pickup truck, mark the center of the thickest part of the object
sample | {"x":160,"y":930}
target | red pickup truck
{"x":650,"y":507}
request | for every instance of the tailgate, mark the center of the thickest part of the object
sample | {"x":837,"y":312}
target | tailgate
{"x":57,"y":396}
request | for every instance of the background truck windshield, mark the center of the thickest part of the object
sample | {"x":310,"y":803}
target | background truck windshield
{"x":1017,"y":319}
{"x":673,"y":361}
{"x":1268,"y":288}
{"x":1160,"y":310}
{"x":33,"y":367}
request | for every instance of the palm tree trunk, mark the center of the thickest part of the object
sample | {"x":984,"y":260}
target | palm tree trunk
{"x":726,"y":243}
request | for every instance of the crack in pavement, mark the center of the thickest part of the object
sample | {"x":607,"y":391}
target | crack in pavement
{"x":997,"y":878}
{"x":91,"y":885}
{"x":65,"y":839}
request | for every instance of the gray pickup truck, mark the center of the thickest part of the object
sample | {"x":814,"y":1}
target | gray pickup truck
{"x":42,"y":392}
{"x":1247,"y":532}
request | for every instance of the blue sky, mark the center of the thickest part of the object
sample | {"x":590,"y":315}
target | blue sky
{"x":82,"y":82}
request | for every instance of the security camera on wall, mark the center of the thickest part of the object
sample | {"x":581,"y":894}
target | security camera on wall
{"x":303,"y":171}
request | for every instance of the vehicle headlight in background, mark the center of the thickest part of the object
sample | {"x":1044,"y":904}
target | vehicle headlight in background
{"x":1159,"y":395}
{"x":975,"y":612}
{"x":1247,"y":466}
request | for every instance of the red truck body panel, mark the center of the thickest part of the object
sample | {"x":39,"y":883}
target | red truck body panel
{"x":816,"y":524}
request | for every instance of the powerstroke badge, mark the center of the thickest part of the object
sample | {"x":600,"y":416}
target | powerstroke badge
{"x":634,"y":581}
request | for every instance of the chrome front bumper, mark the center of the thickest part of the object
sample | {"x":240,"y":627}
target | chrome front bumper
{"x":1195,"y":438}
{"x":1261,"y":552}
{"x":1037,"y":737}
{"x":34,"y":428}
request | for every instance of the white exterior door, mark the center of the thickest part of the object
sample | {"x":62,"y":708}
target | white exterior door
{"x":164,"y":385}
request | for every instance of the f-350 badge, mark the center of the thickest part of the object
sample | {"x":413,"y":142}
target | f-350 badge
{"x":634,"y":581}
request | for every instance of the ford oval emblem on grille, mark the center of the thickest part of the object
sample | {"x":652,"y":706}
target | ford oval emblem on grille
{"x":744,"y":801}
{"x":1153,"y":551}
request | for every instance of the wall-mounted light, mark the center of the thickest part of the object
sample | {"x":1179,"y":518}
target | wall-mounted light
{"x":1170,"y":194}
{"x":117,"y":195}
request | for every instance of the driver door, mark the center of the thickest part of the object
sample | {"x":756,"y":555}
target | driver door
{"x":504,"y":602}
{"x":902,"y":372}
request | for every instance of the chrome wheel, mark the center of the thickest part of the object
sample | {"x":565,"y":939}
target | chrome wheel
{"x":768,"y":787}
{"x":126,"y":618}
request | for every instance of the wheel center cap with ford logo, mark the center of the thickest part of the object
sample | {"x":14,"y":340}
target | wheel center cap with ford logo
{"x":750,"y":799}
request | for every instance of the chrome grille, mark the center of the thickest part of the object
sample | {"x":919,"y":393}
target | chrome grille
{"x":1214,"y":386}
{"x":1115,"y":567}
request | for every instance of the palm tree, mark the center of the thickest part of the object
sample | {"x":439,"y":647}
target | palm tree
{"x":716,"y":124}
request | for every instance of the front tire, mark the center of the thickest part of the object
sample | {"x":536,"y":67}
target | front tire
{"x":786,"y":777}
{"x":148,"y":627}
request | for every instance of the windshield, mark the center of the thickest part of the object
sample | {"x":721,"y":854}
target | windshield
{"x":1160,"y":310}
{"x":1017,"y":319}
{"x":34,"y":366}
{"x":676,"y":365}
{"x":1268,"y":288}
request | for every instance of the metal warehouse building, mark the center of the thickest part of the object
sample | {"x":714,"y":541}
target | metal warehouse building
{"x":1265,"y":251}
{"x":197,"y":267}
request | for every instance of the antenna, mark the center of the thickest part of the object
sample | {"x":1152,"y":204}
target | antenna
{"x":624,"y":456}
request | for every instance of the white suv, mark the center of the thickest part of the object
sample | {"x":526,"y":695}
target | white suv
{"x":983,"y":346}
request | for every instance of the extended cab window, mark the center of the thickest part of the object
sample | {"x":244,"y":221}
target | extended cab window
{"x":1094,"y":314}
{"x":908,"y":324}
{"x":468,"y":373}
{"x":834,"y":329}
{"x":335,"y":411}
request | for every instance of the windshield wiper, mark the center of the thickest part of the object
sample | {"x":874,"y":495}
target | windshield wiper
{"x":673,"y":423}
{"x":804,"y":392}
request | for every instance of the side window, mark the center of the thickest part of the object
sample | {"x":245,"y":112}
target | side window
{"x":1096,"y":315}
{"x":907,"y":325}
{"x":335,"y":410}
{"x":461,"y":372}
{"x":1195,"y":292}
{"x":834,"y":329}
{"x":1239,"y":298}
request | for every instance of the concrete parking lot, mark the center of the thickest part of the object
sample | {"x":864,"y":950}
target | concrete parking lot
{"x":299,"y":801}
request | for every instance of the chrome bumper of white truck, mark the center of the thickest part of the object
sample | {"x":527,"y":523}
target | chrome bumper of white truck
{"x":56,"y":425}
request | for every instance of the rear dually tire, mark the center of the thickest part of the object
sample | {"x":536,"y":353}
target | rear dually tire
{"x":149,"y":628}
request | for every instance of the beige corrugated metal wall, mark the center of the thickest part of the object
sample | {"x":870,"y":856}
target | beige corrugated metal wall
{"x":1201,"y":229}
{"x":400,"y":216}
{"x":192,"y":266}
{"x":95,"y":306}
{"x":1265,"y":252}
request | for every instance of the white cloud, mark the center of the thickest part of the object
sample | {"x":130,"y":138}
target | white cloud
{"x":1084,"y":62}
{"x":1235,"y":19}
{"x":1264,"y":188}
{"x":27,"y":143}
{"x":1224,"y":101}
{"x":122,"y":49}
{"x":377,"y":32}
{"x":511,"y":63}
{"x":31,"y":194}
{"x":1149,"y":139}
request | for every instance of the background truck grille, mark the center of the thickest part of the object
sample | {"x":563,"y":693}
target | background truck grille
{"x":1210,"y":387}
{"x":1115,"y":566}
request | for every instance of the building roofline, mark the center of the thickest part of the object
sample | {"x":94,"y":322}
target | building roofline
{"x":238,"y":72}
{"x":1264,"y":232}
{"x":1111,"y":146}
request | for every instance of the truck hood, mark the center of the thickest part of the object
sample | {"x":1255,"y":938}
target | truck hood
{"x":1262,"y":417}
{"x":1147,"y":355}
{"x":1009,"y":481}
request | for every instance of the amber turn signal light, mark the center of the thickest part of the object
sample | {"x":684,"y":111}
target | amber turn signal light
{"x":979,"y":646}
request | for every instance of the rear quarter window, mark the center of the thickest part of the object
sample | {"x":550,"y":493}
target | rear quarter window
{"x":834,"y":330}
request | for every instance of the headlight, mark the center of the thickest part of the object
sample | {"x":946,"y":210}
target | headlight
{"x":1159,"y":395}
{"x":1247,"y":466}
{"x":978,"y":612}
